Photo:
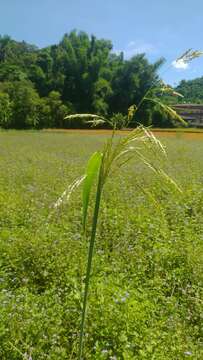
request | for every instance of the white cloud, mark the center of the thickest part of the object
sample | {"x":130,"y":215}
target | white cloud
{"x":131,"y":44}
{"x":137,"y":47}
{"x":134,"y":48}
{"x":180,"y":64}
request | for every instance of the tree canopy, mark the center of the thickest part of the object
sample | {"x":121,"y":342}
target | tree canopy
{"x":80,"y":74}
{"x":192,"y":90}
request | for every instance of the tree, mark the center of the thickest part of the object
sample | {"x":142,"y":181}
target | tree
{"x":57,"y":109}
{"x":11,"y":72}
{"x":25,"y":100}
{"x":5,"y":110}
{"x":192,"y":90}
{"x":79,"y":74}
{"x":131,"y":80}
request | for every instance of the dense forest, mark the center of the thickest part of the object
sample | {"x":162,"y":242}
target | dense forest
{"x":38,"y":87}
{"x":192,"y":90}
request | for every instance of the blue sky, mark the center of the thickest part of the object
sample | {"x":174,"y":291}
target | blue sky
{"x":158,"y":27}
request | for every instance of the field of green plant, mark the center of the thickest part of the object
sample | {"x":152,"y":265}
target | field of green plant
{"x":145,"y":298}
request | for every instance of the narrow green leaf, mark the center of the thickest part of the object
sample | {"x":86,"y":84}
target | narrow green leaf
{"x":168,"y":110}
{"x":92,"y":171}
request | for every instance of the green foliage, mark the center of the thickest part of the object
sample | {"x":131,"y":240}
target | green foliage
{"x":118,"y":121}
{"x":5,"y":110}
{"x":11,"y":72}
{"x":161,"y":120}
{"x":80,"y":73}
{"x":25,"y":102}
{"x":166,"y":109}
{"x":57,"y":109}
{"x":92,"y":171}
{"x":146,"y":287}
{"x":131,"y":81}
{"x":192,"y":90}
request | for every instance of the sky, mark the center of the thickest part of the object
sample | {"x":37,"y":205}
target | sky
{"x":160,"y":28}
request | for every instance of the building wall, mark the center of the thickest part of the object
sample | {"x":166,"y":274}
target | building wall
{"x":192,"y":113}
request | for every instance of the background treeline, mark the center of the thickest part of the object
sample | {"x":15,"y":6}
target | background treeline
{"x":192,"y":90}
{"x":38,"y":87}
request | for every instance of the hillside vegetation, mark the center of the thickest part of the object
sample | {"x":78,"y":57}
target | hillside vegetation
{"x":81,"y":74}
{"x":192,"y":90}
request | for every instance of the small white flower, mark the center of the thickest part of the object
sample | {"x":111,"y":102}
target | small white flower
{"x":104,"y":351}
{"x":123,"y":299}
{"x":187,"y":353}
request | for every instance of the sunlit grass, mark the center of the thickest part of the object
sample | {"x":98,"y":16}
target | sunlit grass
{"x":145,"y":295}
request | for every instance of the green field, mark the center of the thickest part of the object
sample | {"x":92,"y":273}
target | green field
{"x":145,"y":295}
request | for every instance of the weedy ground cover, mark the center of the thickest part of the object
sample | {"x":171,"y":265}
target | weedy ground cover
{"x":145,"y":298}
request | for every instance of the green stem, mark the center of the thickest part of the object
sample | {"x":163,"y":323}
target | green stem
{"x":89,"y":263}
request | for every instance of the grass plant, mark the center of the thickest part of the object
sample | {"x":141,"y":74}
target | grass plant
{"x":101,"y":163}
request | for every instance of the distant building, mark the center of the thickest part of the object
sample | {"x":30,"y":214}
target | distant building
{"x":192,"y":113}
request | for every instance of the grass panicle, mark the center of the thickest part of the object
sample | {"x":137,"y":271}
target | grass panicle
{"x":115,"y":154}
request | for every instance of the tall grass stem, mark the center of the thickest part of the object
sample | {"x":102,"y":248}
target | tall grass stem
{"x":89,"y":262}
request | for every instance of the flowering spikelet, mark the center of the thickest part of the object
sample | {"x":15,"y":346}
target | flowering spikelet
{"x":92,"y":119}
{"x":131,"y":111}
{"x":67,"y":193}
{"x":189,"y":55}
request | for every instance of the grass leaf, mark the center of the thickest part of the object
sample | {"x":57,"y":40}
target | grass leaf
{"x":93,"y":167}
{"x":168,"y":110}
